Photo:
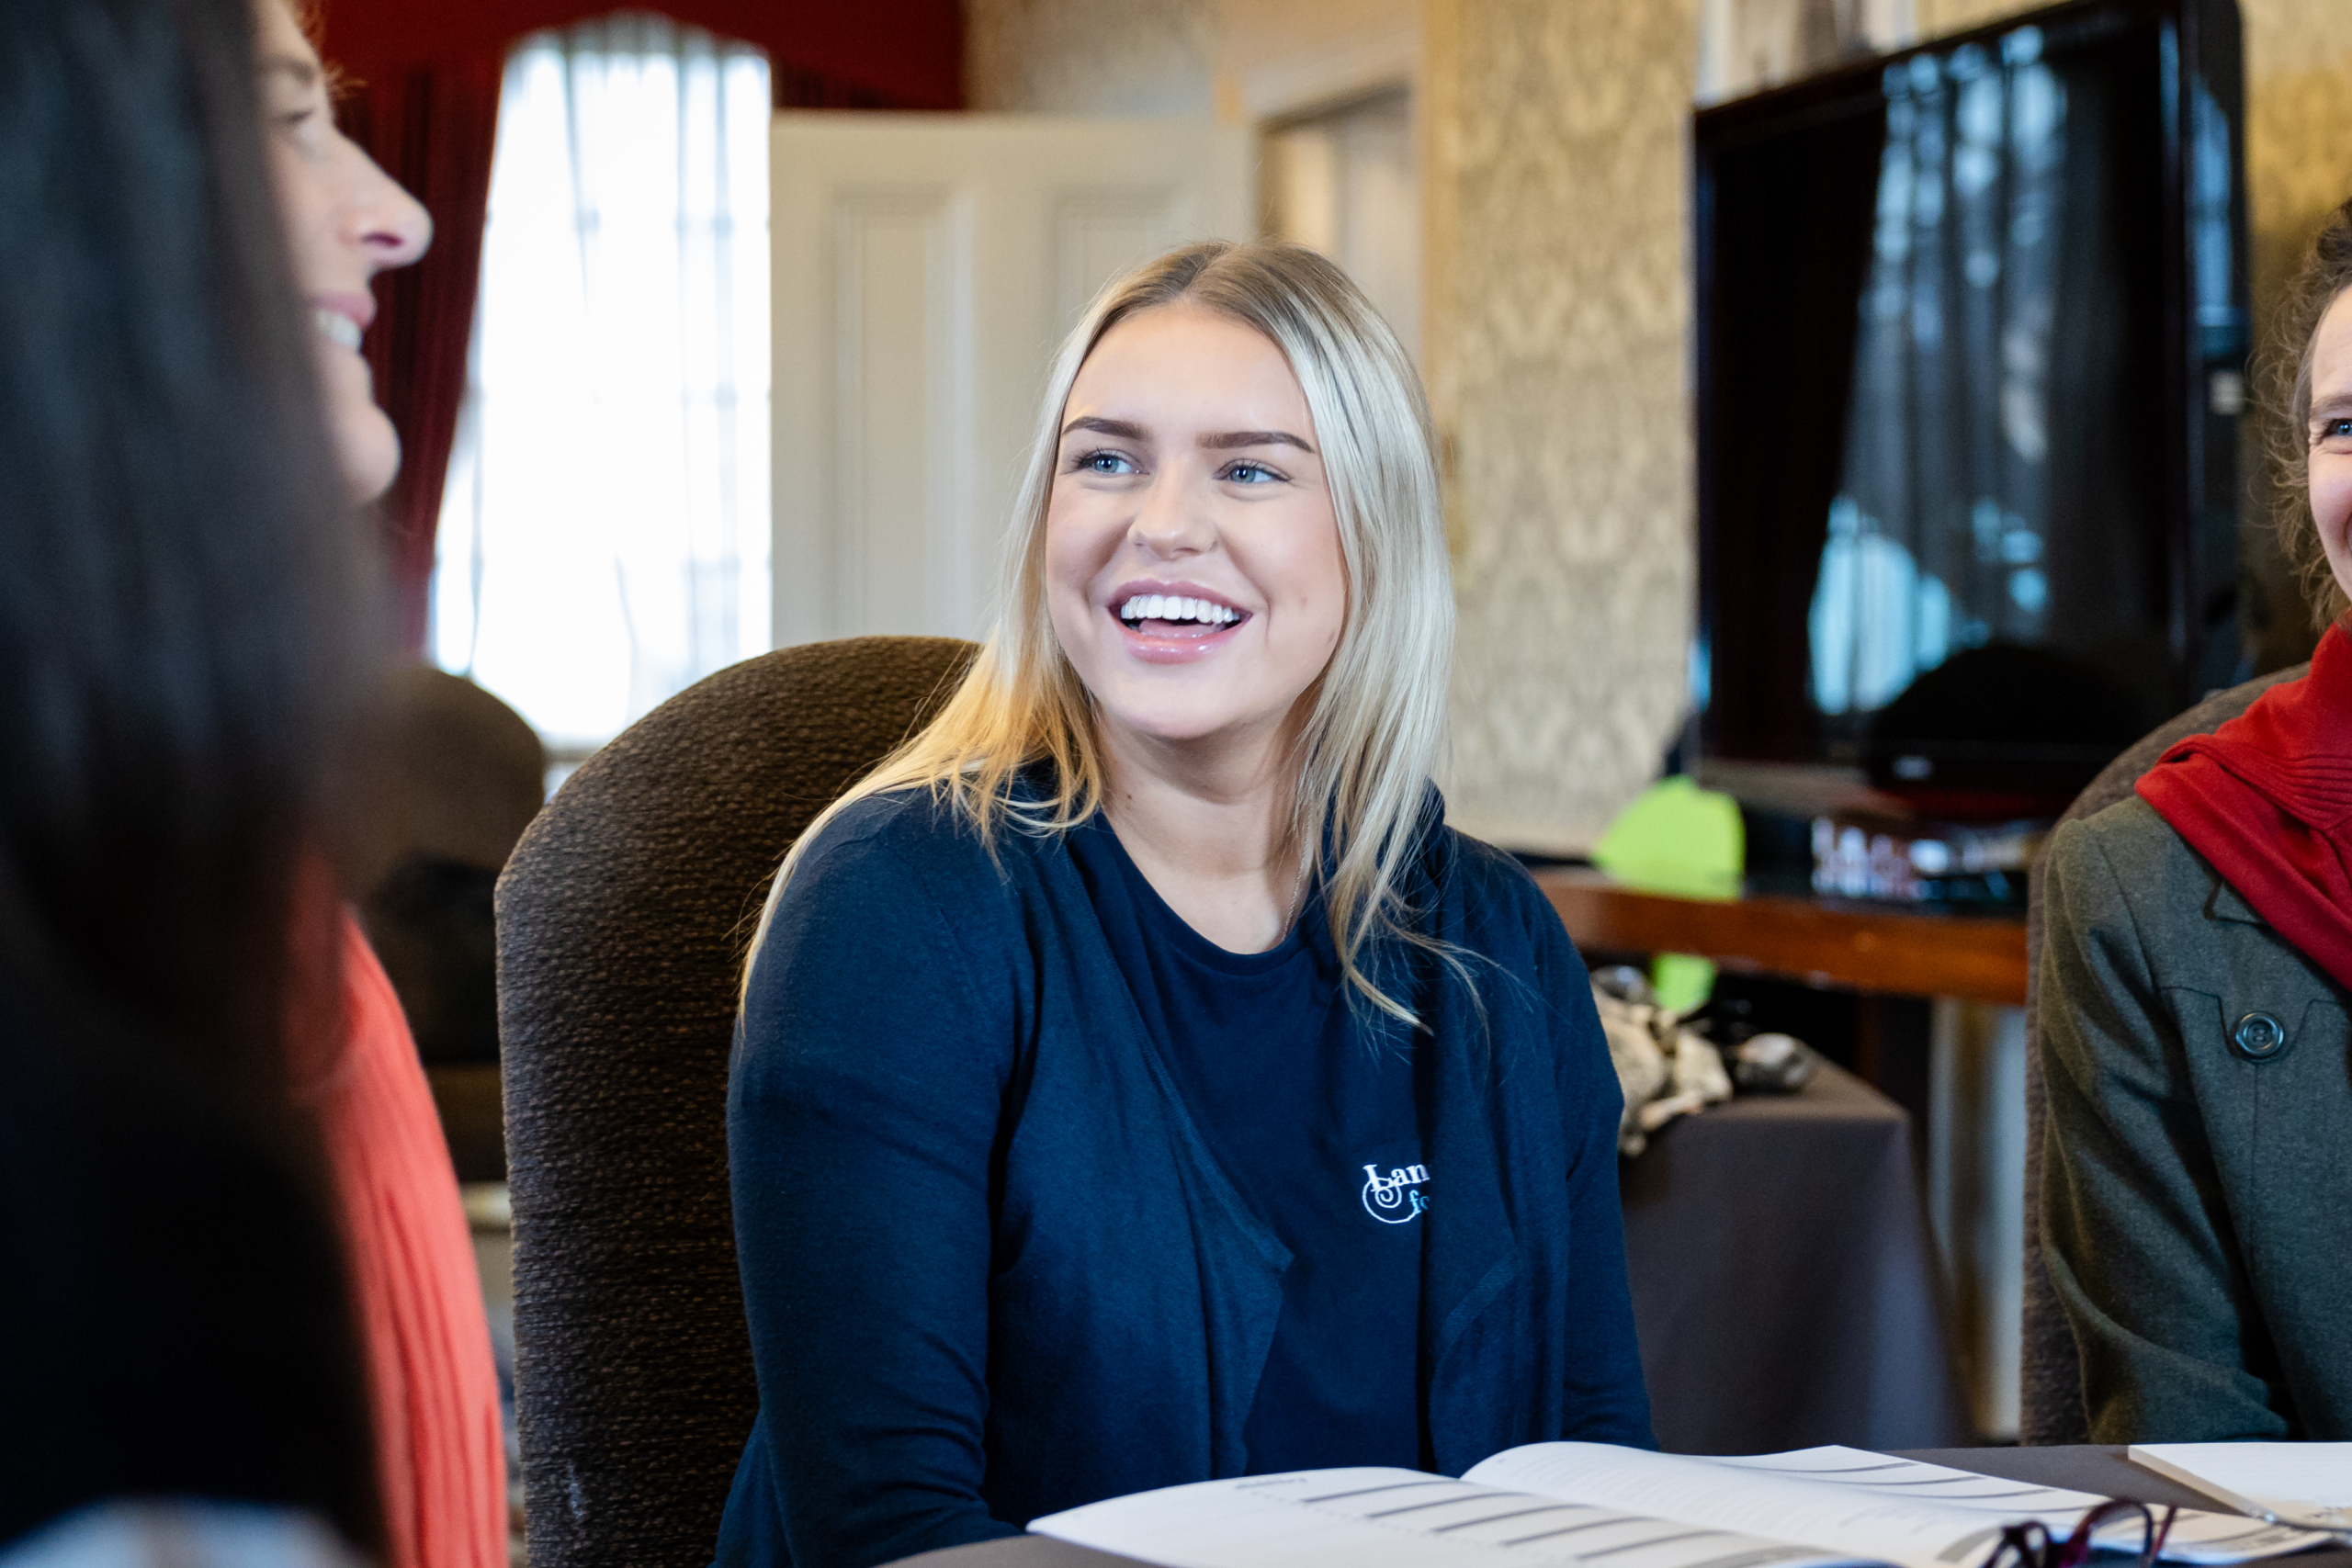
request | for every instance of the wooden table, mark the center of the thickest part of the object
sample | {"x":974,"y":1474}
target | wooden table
{"x":1888,"y":959}
{"x":1883,"y":949}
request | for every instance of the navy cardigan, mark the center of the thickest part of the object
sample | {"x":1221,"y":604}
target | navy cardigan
{"x":991,"y":1269}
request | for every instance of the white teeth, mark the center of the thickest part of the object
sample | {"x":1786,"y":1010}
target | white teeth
{"x":336,"y":327}
{"x":1171,"y":607}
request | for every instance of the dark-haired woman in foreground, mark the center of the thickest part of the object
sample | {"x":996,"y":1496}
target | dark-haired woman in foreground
{"x":441,"y":1463}
{"x":178,"y":584}
{"x":2197,"y":1025}
{"x":191,"y":435}
{"x":1139,"y":1083}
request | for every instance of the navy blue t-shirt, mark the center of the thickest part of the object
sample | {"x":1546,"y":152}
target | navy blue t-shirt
{"x":1319,"y":1131}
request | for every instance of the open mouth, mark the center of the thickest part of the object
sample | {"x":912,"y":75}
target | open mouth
{"x":1176,"y":616}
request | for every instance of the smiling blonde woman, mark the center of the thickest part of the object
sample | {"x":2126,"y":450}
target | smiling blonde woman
{"x":1121,"y":1093}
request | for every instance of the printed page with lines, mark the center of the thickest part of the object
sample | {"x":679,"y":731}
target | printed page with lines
{"x":1873,"y":1506}
{"x":1612,"y":1507}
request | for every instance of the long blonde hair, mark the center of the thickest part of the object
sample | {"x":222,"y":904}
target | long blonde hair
{"x":1378,"y":716}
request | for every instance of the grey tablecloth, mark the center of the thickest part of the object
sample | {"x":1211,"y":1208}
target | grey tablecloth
{"x":1783,"y":1283}
{"x":2101,"y":1470}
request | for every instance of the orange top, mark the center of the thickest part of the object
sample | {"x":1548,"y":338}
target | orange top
{"x":440,"y":1458}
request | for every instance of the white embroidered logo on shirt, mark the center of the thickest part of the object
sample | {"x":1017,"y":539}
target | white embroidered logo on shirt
{"x":1396,"y":1198}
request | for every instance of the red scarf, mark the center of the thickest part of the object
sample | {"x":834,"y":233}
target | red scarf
{"x":2268,"y":800}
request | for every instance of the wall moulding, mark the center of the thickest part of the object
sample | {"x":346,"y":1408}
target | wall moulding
{"x":1352,"y":68}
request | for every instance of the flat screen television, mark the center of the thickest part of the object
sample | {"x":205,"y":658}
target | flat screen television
{"x":1971,"y":339}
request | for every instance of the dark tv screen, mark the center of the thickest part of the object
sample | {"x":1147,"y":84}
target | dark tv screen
{"x":1970,"y":329}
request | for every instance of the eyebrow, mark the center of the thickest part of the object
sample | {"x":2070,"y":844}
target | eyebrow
{"x":2333,"y":407}
{"x":1223,"y":441}
{"x":304,"y":73}
{"x":1124,"y":429}
{"x":1232,"y":438}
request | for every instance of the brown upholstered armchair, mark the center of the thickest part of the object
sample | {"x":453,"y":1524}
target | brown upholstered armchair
{"x":451,"y":778}
{"x":623,"y":918}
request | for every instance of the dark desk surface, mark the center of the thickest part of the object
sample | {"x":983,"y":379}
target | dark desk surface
{"x":2101,"y":1470}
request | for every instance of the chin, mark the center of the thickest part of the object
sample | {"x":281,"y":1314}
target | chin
{"x":1179,"y":725}
{"x":368,"y":451}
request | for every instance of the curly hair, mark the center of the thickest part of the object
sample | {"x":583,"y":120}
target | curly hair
{"x":2284,"y":377}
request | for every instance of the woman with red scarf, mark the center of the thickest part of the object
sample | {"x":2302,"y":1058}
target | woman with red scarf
{"x":2197,"y":1209}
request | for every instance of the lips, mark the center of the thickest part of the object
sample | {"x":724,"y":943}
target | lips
{"x":342,"y":318}
{"x":1173,"y":623}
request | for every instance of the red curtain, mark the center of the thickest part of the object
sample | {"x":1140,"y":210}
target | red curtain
{"x":433,"y":128}
{"x":905,"y":54}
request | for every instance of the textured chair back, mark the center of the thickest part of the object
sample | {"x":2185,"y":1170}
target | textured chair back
{"x":451,"y":774}
{"x":2050,"y":1373}
{"x":622,"y":920}
{"x":449,"y":778}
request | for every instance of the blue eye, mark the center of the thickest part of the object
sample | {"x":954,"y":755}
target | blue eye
{"x":1105,"y":463}
{"x":2336,"y":429}
{"x":1251,"y":474}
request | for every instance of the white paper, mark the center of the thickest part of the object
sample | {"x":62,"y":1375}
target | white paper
{"x":1613,"y":1507}
{"x":1395,"y":1519}
{"x":1922,"y":1516}
{"x":2196,"y":1537}
{"x":1802,"y":1502}
{"x":2312,"y":1481}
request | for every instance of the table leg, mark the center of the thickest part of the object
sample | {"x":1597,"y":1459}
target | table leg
{"x":1975,"y":1188}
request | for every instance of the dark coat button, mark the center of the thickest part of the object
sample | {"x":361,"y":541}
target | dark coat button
{"x":2259,"y":1036}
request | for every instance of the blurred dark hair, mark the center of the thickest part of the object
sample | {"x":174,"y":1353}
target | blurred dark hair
{"x":2284,"y":376}
{"x":183,"y":632}
{"x":181,"y":609}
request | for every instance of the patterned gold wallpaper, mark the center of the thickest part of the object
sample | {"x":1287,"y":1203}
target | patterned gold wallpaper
{"x":1559,"y":321}
{"x":2299,"y":128}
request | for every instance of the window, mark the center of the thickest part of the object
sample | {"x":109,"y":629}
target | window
{"x":603,"y":538}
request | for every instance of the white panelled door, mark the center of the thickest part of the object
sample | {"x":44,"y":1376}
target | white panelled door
{"x":926,"y":267}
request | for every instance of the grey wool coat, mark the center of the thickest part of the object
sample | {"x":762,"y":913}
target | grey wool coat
{"x":2197,"y":1197}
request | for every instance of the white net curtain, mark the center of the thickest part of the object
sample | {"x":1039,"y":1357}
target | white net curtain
{"x":1936,"y":539}
{"x":604,"y":542}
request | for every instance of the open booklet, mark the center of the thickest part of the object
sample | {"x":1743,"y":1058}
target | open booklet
{"x":2308,"y":1484}
{"x":1615,"y":1507}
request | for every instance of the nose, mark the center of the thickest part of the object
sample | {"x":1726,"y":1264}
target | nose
{"x":1166,"y":521}
{"x":390,"y":227}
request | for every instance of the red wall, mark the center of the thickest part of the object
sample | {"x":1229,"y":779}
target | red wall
{"x":909,"y":52}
